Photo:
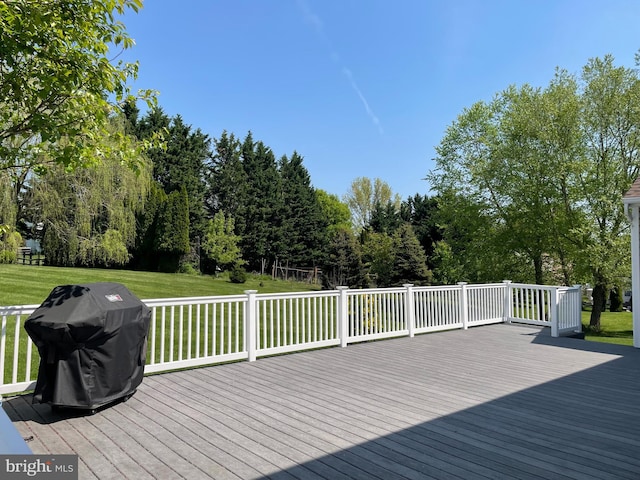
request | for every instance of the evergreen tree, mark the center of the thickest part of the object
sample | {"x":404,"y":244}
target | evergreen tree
{"x":303,"y":227}
{"x":181,"y":163}
{"x":172,"y":235}
{"x":422,"y":213}
{"x":410,"y":261}
{"x":342,"y":265}
{"x":261,"y":241}
{"x":227,"y":181}
{"x":145,"y":256}
{"x":385,"y":218}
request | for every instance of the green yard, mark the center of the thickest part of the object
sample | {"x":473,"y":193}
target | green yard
{"x":25,"y":285}
{"x":616,"y":327}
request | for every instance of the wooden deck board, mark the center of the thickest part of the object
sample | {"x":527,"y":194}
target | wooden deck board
{"x":499,"y":401}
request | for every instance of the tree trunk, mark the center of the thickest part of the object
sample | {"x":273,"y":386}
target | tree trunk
{"x":537,"y":265}
{"x":599,"y":304}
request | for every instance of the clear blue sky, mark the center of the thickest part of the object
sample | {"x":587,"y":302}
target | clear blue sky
{"x":361,"y":87}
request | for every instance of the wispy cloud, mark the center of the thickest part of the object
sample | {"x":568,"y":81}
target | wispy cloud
{"x":318,"y":25}
{"x":354,"y":85}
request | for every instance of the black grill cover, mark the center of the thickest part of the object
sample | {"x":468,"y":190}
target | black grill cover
{"x":92,"y":344}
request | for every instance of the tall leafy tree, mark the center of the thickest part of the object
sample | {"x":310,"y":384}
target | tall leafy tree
{"x":10,"y":239}
{"x":89,"y":215}
{"x":221,"y":244}
{"x":336,"y":214}
{"x":500,"y":157}
{"x":378,"y":256}
{"x":610,"y":121}
{"x":545,"y":170}
{"x":364,"y":195}
{"x":58,"y":87}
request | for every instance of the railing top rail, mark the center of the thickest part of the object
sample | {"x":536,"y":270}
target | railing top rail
{"x":317,"y":293}
{"x":18,"y":310}
{"x":361,"y":291}
{"x":477,"y":286}
{"x":437,"y":287}
{"x":545,"y":287}
{"x":156,"y":302}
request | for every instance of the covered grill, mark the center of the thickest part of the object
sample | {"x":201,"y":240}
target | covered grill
{"x":92,"y":344}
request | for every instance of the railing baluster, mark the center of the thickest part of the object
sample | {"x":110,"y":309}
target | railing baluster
{"x":27,"y":373}
{"x":162,"y":335}
{"x":189,"y":330}
{"x":214,"y":328}
{"x":205,"y":340}
{"x":16,"y":351}
{"x":3,"y":347}
{"x":237,"y":329}
{"x":230,"y":329}
{"x":153,"y":335}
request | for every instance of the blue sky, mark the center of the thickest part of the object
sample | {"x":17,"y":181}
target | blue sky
{"x":361,"y":87}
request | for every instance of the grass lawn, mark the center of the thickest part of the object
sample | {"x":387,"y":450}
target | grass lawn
{"x":617,"y":327}
{"x":25,"y":285}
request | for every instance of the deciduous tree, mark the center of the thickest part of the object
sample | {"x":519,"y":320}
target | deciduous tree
{"x":60,"y":82}
{"x":364,"y":195}
{"x":220,"y":243}
{"x":545,"y":171}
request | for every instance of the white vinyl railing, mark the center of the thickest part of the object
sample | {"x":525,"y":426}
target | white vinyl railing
{"x":189,"y":332}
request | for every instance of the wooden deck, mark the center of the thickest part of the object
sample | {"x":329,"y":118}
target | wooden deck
{"x":499,"y":401}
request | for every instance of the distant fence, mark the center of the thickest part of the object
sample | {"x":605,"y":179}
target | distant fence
{"x":285,"y":272}
{"x":189,"y":332}
{"x":26,"y":256}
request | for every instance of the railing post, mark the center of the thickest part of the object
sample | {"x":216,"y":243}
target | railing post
{"x":464,"y":305}
{"x":555,"y":312}
{"x":251,"y":324}
{"x":577,"y":308}
{"x":343,"y":315}
{"x":410,"y":306}
{"x":508,"y":301}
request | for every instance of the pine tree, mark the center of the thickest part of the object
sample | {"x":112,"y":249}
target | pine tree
{"x":181,"y":163}
{"x":227,"y":181}
{"x":343,"y":266}
{"x":410,"y":261}
{"x":172,"y":235}
{"x":261,"y":241}
{"x":303,"y":228}
{"x":422,"y":213}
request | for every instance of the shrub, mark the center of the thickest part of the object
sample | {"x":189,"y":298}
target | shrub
{"x":238,"y":275}
{"x":188,"y":269}
{"x":616,"y":299}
